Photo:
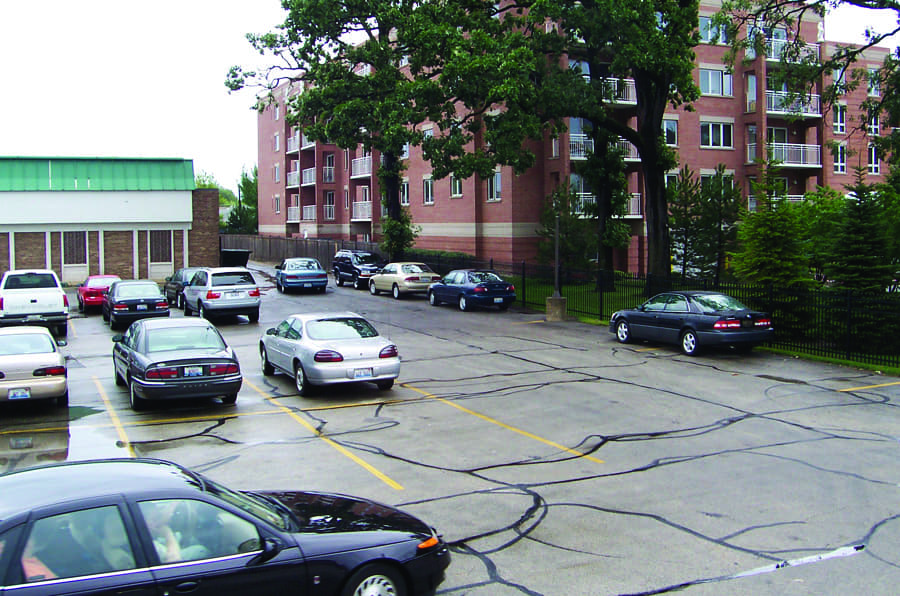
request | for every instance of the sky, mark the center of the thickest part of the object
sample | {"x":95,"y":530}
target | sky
{"x":122,"y":78}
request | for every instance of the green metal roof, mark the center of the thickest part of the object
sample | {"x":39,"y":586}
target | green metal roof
{"x":95,"y":173}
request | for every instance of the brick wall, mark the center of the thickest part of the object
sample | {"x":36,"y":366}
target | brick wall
{"x":30,"y":250}
{"x":117,"y":251}
{"x":203,"y":238}
{"x":93,"y":253}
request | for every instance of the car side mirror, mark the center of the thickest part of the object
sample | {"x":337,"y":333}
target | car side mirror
{"x":169,"y":278}
{"x":277,"y":266}
{"x":270,"y":548}
{"x":118,"y":338}
{"x":61,"y":343}
{"x":271,"y":331}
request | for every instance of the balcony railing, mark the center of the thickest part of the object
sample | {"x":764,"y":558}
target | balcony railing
{"x":293,"y":214}
{"x":781,"y":102}
{"x":309,"y":176}
{"x":362,"y":210}
{"x":309,"y":213}
{"x":621,"y":91}
{"x":361,"y":166}
{"x":580,"y":145}
{"x":586,"y":199}
{"x":327,"y":173}
{"x":306,"y":143}
{"x":789,"y":154}
{"x":629,"y":151}
{"x":293,"y":179}
{"x":293,"y":144}
{"x":751,"y":200}
{"x":775,"y":49}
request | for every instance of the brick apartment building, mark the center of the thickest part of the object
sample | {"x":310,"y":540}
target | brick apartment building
{"x":136,"y":218}
{"x":315,"y":189}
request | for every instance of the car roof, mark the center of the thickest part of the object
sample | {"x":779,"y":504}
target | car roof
{"x":406,"y":263}
{"x":24,"y":490}
{"x":103,"y":276}
{"x":301,"y":259}
{"x":695,"y":292}
{"x":311,"y":316}
{"x":168,"y":323}
{"x":23,"y":329}
{"x":227,"y":269}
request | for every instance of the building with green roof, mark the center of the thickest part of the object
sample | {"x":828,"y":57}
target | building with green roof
{"x":133,"y":217}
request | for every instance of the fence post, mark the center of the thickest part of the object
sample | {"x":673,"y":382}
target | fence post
{"x":523,"y":284}
{"x":600,"y":287}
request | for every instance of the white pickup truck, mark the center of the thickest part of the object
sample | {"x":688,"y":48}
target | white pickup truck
{"x":34,"y":297}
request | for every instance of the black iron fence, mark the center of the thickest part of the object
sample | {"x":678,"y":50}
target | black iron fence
{"x":860,"y":327}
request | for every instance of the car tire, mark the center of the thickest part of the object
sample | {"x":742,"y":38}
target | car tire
{"x":112,"y":322}
{"x":279,"y":287}
{"x":202,"y":312}
{"x":187,"y":308}
{"x":689,"y":344}
{"x":623,"y":332}
{"x":395,"y":292}
{"x":267,"y":368}
{"x":376,"y":579}
{"x":337,"y":278}
{"x":63,"y":400}
{"x":104,"y":314}
{"x":179,"y":301}
{"x":463,"y":304}
{"x":432,"y":299}
{"x":119,"y":380}
{"x":80,"y":305}
{"x":372,"y":289}
{"x":254,"y":316}
{"x":356,"y":285}
{"x":137,"y":404}
{"x":300,"y":380}
{"x":229,"y":400}
{"x":62,"y":330}
{"x":385,"y":385}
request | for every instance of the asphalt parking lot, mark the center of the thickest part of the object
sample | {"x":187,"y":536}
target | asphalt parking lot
{"x":554,"y":460}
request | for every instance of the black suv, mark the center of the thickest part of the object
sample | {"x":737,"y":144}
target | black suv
{"x":355,"y":266}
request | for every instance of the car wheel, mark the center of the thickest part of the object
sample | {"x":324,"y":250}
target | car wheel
{"x":104,"y":314}
{"x":279,"y":287}
{"x":80,"y":305}
{"x":179,"y":301}
{"x":395,"y":292}
{"x":187,"y":308}
{"x":202,"y":312}
{"x":230,"y":400}
{"x":372,"y":289}
{"x":375,"y":580}
{"x":137,"y":403}
{"x":385,"y":385}
{"x":112,"y":322}
{"x":254,"y":316}
{"x":356,"y":282}
{"x":267,"y":368}
{"x":300,"y":380}
{"x":62,"y":330}
{"x":119,"y":380}
{"x":463,"y":305}
{"x":432,"y":299}
{"x":623,"y":332}
{"x":337,"y":278}
{"x":63,"y":400}
{"x":689,"y":343}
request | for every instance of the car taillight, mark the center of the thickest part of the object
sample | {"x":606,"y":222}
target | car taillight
{"x":411,"y":278}
{"x":254,"y":292}
{"x":162,"y":304}
{"x":727,"y":324}
{"x":169,"y":372}
{"x":120,"y":307}
{"x":511,"y":288}
{"x":65,"y":301}
{"x":328,"y":356}
{"x":210,"y":295}
{"x":50,"y":371}
{"x":763,"y":322}
{"x":479,"y":289}
{"x":389,"y":352}
{"x":223,"y":369}
{"x":1,"y":303}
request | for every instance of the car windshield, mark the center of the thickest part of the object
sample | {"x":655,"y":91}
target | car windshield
{"x":100,"y":282}
{"x":233,"y":278}
{"x":146,"y":290}
{"x":309,"y":264}
{"x":366,"y":259}
{"x":184,"y":338}
{"x":25,"y":343}
{"x":342,"y":328}
{"x":717,"y":303}
{"x":416,"y":268}
{"x":255,"y":506}
{"x":30,"y":280}
{"x":481,"y":277}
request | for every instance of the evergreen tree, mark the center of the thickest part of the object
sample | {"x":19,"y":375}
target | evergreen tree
{"x":720,"y":210}
{"x":577,"y":240}
{"x":820,"y":213}
{"x":684,"y":233}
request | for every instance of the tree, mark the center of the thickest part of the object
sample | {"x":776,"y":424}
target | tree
{"x":577,"y":239}
{"x":205,"y":180}
{"x":684,"y":232}
{"x":399,"y":235}
{"x":820,"y":212}
{"x":248,"y":188}
{"x":241,"y":220}
{"x":720,"y":209}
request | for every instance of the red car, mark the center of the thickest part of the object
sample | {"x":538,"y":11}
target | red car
{"x":90,"y":293}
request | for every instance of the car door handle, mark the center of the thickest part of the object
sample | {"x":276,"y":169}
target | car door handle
{"x":184,"y":587}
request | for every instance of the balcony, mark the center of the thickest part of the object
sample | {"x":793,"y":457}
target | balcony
{"x":621,"y":92}
{"x":309,"y":177}
{"x":629,"y":151}
{"x":293,"y":179}
{"x":327,"y":173}
{"x":781,"y":102}
{"x":306,"y":143}
{"x":293,"y":144}
{"x":751,"y":200}
{"x":632,"y":209}
{"x":790,"y":155}
{"x":362,"y":211}
{"x":361,"y":167}
{"x":309,"y":213}
{"x":580,"y":145}
{"x":775,"y":49}
{"x":293,"y":214}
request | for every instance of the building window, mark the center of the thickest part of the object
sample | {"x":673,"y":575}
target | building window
{"x":276,"y":142}
{"x":276,"y":173}
{"x":75,"y":248}
{"x":404,"y":192}
{"x":874,"y":85}
{"x":716,"y":135}
{"x":670,"y":131}
{"x":840,"y":159}
{"x":839,"y":117}
{"x":709,"y":33}
{"x":554,"y":147}
{"x":494,"y":190}
{"x":277,"y":204}
{"x":839,"y":80}
{"x":428,"y":133}
{"x":715,"y":82}
{"x":276,"y":111}
{"x":328,"y":204}
{"x":456,"y":188}
{"x":160,"y":246}
{"x":428,"y":191}
{"x":346,"y":199}
{"x":874,"y":125}
{"x":874,"y":162}
{"x":346,"y":159}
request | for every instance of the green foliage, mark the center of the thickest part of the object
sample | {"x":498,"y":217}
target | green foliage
{"x":820,"y":214}
{"x":577,"y":240}
{"x":241,"y":220}
{"x":248,"y":188}
{"x":684,"y":233}
{"x":720,"y":209}
{"x":205,"y":180}
{"x":398,"y":234}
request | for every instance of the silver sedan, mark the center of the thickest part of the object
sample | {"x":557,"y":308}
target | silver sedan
{"x":31,"y":366}
{"x":329,"y":347}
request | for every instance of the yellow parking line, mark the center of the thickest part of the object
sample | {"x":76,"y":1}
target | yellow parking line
{"x":870,"y":386}
{"x":120,"y":430}
{"x":334,"y":445}
{"x":646,"y":349}
{"x":524,"y":433}
{"x":528,"y":322}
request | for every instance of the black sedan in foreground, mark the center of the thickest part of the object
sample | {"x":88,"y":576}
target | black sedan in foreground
{"x":147,"y":527}
{"x":162,"y":359}
{"x":128,"y":300}
{"x":693,"y":320}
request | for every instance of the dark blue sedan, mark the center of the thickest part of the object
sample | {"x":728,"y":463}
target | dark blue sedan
{"x":300,"y":272}
{"x":472,"y":287}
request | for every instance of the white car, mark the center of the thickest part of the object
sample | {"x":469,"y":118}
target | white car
{"x":31,"y":366}
{"x":329,"y":347}
{"x":222,"y":291}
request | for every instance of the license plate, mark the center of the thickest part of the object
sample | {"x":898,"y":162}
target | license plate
{"x":19,"y":393}
{"x":193,"y":371}
{"x":362,"y":373}
{"x":498,"y":300}
{"x":307,"y":285}
{"x":142,"y":307}
{"x":235,"y":294}
{"x":21,"y":443}
{"x":33,"y":318}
